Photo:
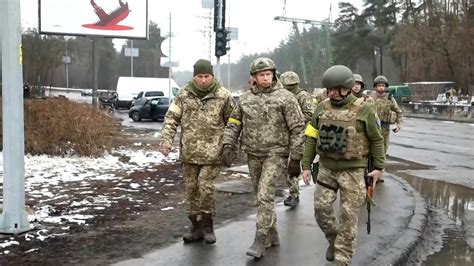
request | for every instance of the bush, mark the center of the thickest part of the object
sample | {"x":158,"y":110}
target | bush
{"x":57,"y":126}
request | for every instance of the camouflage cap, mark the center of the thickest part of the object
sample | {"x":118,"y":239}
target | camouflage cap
{"x":261,"y":64}
{"x":289,"y":78}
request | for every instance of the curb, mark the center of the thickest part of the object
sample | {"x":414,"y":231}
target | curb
{"x":401,"y":248}
{"x":457,"y":120}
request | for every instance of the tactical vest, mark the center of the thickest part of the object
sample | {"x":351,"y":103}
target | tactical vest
{"x":338,"y":137}
{"x":383,"y":106}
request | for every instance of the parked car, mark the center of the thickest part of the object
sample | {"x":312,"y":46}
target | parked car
{"x":154,"y":109}
{"x":144,"y":95}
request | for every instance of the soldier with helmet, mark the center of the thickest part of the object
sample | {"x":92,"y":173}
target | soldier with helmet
{"x":291,"y":81}
{"x":270,"y":125}
{"x":358,"y":88}
{"x":343,"y":131}
{"x":387,"y":109}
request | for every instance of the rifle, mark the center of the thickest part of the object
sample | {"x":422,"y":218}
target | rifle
{"x":370,"y":190}
{"x":315,"y":171}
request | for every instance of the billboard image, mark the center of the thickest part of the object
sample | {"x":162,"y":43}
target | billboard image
{"x":109,"y":18}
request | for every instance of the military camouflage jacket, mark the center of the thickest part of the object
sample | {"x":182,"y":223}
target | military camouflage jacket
{"x":306,"y":103}
{"x":202,"y":124}
{"x":270,"y":122}
{"x":321,"y":96}
{"x":387,"y":109}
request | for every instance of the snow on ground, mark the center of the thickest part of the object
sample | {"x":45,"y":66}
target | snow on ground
{"x":47,"y":180}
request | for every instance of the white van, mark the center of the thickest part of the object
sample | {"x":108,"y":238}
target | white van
{"x":128,"y":88}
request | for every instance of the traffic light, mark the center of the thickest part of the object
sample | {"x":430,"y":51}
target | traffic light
{"x":221,"y":42}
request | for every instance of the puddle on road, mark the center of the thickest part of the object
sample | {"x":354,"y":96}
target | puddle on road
{"x":458,"y":203}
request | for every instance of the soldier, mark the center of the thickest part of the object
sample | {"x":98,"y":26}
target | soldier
{"x":201,"y":109}
{"x":270,"y":125}
{"x":343,"y":131}
{"x":291,"y":82}
{"x":358,"y":88}
{"x":387,"y":109}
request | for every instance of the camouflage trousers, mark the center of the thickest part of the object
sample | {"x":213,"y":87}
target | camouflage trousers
{"x":351,"y":184}
{"x":293,"y":185}
{"x":385,"y":130}
{"x":199,"y":183}
{"x":264,"y":172}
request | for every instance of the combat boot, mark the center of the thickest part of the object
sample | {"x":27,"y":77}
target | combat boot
{"x":208,"y":228}
{"x":331,"y":249}
{"x":196,"y":233}
{"x":291,"y":201}
{"x":258,"y":247}
{"x":272,"y":238}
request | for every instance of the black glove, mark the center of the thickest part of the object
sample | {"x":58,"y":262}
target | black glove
{"x":228,"y":156}
{"x":294,"y":168}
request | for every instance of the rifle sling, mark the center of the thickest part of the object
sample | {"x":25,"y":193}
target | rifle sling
{"x":326,"y":185}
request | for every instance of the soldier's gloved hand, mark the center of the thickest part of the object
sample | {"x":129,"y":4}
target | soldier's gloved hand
{"x":294,"y":168}
{"x":228,"y":156}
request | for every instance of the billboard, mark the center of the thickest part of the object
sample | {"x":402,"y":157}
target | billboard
{"x":109,"y":18}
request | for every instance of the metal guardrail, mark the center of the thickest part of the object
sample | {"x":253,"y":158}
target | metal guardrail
{"x":458,"y":111}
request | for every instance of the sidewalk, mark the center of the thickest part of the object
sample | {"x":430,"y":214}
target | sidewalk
{"x":397,"y":222}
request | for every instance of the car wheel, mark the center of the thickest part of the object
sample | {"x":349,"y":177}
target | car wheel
{"x":136,"y":116}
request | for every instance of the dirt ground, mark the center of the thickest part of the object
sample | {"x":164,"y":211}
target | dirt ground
{"x":125,"y":229}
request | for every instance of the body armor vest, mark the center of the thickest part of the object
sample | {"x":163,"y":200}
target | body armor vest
{"x":383,"y":106}
{"x":338,"y":137}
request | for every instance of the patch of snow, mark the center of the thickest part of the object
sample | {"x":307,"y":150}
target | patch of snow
{"x":167,"y":208}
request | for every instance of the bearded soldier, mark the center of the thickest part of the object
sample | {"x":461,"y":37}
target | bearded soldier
{"x":343,"y":131}
{"x":270,"y":125}
{"x":201,"y":108}
{"x":387,"y":109}
{"x":291,"y":81}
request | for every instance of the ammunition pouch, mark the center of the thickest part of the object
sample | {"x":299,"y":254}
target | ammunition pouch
{"x":332,"y":139}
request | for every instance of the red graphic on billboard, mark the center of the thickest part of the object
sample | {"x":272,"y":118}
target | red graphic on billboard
{"x":110,"y":21}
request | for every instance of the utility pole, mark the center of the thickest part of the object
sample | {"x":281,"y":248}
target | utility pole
{"x":13,"y":219}
{"x":170,"y":70}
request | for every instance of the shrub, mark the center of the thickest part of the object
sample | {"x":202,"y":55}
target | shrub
{"x":58,"y":126}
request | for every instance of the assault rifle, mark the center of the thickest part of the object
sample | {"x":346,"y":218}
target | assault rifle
{"x":370,"y":189}
{"x":315,"y":171}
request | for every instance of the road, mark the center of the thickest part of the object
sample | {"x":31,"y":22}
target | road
{"x":437,"y":159}
{"x":445,"y":178}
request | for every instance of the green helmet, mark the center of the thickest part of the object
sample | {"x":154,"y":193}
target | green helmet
{"x":381,"y":79}
{"x":289,"y":78}
{"x":358,"y":78}
{"x":261,"y":64}
{"x":338,"y":75}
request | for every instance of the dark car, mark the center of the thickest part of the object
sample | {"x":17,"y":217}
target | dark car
{"x":154,"y":109}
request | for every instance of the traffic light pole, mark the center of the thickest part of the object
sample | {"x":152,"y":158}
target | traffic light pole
{"x":218,"y":24}
{"x":13,"y":219}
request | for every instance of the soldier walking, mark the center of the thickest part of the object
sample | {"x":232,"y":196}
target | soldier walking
{"x":343,"y":131}
{"x":202,"y":109}
{"x":270,"y":125}
{"x":387,"y":109}
{"x":291,"y":81}
{"x":358,"y":89}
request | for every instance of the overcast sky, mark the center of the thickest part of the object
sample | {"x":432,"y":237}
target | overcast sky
{"x":190,"y":23}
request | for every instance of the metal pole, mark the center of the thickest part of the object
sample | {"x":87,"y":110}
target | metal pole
{"x":210,"y":35}
{"x":95,"y":64}
{"x":169,"y":61}
{"x":67,"y":69}
{"x":228,"y":70}
{"x":219,"y":26}
{"x":131,"y":58}
{"x":13,"y":219}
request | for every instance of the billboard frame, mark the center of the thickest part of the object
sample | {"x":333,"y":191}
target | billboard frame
{"x":94,"y":35}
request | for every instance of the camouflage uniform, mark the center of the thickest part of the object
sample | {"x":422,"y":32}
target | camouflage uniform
{"x":291,"y":82}
{"x":342,"y":134}
{"x":320,"y":96}
{"x":270,"y":125}
{"x":202,"y":122}
{"x":388,"y":113}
